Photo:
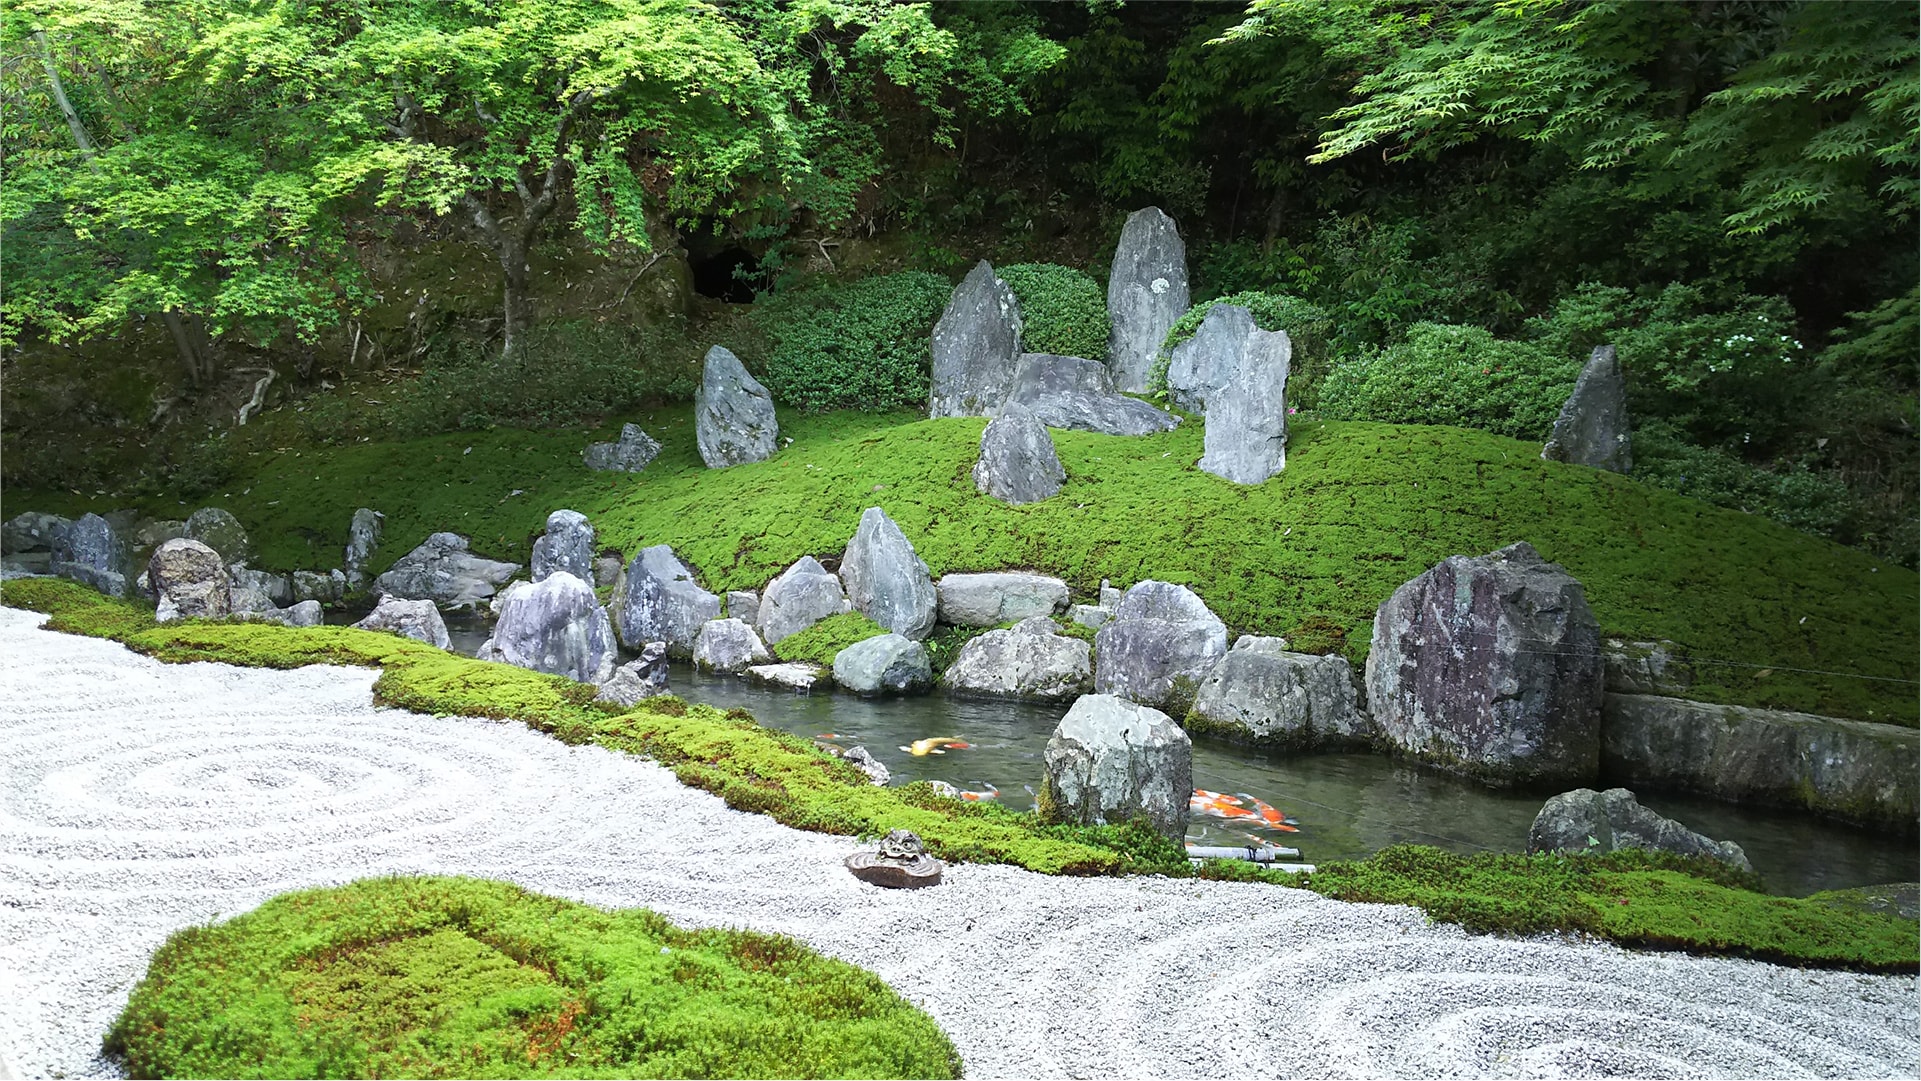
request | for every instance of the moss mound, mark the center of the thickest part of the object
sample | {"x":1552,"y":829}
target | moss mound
{"x":453,"y":977}
{"x":822,"y":642}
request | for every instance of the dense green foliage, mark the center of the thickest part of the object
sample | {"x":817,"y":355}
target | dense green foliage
{"x":1453,"y":375}
{"x":1062,"y":310}
{"x":456,"y":977}
{"x":1632,"y":897}
{"x":861,"y":345}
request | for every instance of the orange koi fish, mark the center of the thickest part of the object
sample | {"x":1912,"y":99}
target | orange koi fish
{"x":933,"y":745}
{"x":1271,"y":817}
{"x":989,"y":792}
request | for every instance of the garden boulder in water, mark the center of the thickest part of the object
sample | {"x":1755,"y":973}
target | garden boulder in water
{"x":1162,"y":642}
{"x":802,"y":596}
{"x":443,"y":571}
{"x":555,"y":626}
{"x":1111,"y":760}
{"x":1262,"y":694}
{"x":1588,"y":821}
{"x":566,"y":547}
{"x":728,"y":645}
{"x":418,"y":620}
{"x":638,"y":679}
{"x":660,"y":601}
{"x":1027,"y":661}
{"x":190,"y":580}
{"x":884,"y":664}
{"x":733,"y":414}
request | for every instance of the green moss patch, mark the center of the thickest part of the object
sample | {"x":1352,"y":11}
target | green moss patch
{"x":455,"y":977}
{"x":822,"y":642}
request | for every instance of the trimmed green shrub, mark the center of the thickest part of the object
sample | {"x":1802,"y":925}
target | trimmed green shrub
{"x":853,"y":345}
{"x":1794,"y":496}
{"x":1453,"y":375}
{"x":1062,"y":310}
{"x":1307,"y":326}
{"x":437,"y":977}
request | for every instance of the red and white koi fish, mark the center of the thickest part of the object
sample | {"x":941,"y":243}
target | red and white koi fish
{"x":1271,"y":817}
{"x":988,"y":792}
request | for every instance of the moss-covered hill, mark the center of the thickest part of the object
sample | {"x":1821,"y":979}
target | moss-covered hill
{"x":1360,"y":509}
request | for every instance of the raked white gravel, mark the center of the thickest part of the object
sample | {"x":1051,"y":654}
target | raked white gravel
{"x":137,"y":798}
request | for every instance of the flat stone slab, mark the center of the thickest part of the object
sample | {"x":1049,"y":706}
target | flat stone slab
{"x":868,"y":867}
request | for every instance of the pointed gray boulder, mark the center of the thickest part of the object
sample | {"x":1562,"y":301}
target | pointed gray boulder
{"x":1204,"y":363}
{"x":1593,"y":426}
{"x":1246,"y":437}
{"x":1017,"y":462}
{"x":886,"y":580}
{"x":661,"y":602}
{"x":1074,"y":392}
{"x":91,"y":552}
{"x":1146,"y":293}
{"x":363,"y":536}
{"x":566,"y":548}
{"x":976,"y":344}
{"x":733,"y":413}
{"x":802,"y":596}
{"x":555,"y":626}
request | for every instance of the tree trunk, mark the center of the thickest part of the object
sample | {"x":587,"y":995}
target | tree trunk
{"x":198,"y":369}
{"x":512,"y":250}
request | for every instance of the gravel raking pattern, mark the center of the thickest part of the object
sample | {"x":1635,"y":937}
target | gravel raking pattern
{"x":137,"y":798}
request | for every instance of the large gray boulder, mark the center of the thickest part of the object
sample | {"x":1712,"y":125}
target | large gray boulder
{"x":1162,"y":642}
{"x":363,"y":537}
{"x":443,"y":571}
{"x":1146,"y":293}
{"x":1205,"y":362}
{"x":1017,"y":462}
{"x":276,"y":588}
{"x":555,"y":625}
{"x":220,"y":531}
{"x":802,"y":596}
{"x":886,"y":580}
{"x":1151,"y":599}
{"x":303,"y":614}
{"x":994,"y":598}
{"x":638,"y":679}
{"x":630,"y":454}
{"x":733,"y":414}
{"x":190,"y":581}
{"x":1028,"y":661}
{"x":1592,"y":428}
{"x":661,"y":602}
{"x":33,"y":531}
{"x":91,"y":552}
{"x":884,"y":664}
{"x":1857,"y":770}
{"x":416,"y":619}
{"x":1246,"y":435}
{"x":1111,"y":760}
{"x":1262,"y":694}
{"x":728,"y":645}
{"x":566,"y":547}
{"x":1077,"y":393}
{"x":1491,"y":666}
{"x":326,"y":588}
{"x":976,"y":345}
{"x":1588,"y":821}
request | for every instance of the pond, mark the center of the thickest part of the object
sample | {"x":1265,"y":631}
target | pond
{"x":1334,"y":806}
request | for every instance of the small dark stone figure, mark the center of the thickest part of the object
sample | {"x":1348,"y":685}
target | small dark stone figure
{"x":902,"y":863}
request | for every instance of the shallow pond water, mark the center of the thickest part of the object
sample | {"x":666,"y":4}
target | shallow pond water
{"x":1337,"y":806}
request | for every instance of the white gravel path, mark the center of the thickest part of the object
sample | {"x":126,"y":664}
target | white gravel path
{"x":137,"y":798}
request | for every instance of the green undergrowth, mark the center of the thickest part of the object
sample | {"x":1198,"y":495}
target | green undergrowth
{"x":1633,"y":898}
{"x":458,"y":977}
{"x":1762,"y":612}
{"x":1655,"y":900}
{"x":820,"y":643}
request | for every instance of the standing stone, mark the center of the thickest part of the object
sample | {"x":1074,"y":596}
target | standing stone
{"x":733,"y":413}
{"x":1146,"y":293}
{"x":1593,"y":426}
{"x":1111,"y":760}
{"x":555,"y":626}
{"x":1614,"y":819}
{"x":1491,"y":666}
{"x":885,"y":580}
{"x":884,"y":664}
{"x":637,"y":679}
{"x":416,"y":619}
{"x":1017,"y":462}
{"x":1028,"y":661}
{"x":1262,"y":694}
{"x":728,"y":645}
{"x":442,"y":570}
{"x":190,"y":581}
{"x":744,"y":605}
{"x":91,"y":552}
{"x":566,"y":547}
{"x":802,"y":596}
{"x":363,"y":537}
{"x":33,"y":531}
{"x":220,"y":531}
{"x":1203,"y":364}
{"x":663,"y":602}
{"x":989,"y":600}
{"x":976,"y":345}
{"x":1074,"y":392}
{"x":1162,"y":642}
{"x":630,"y":454}
{"x":1246,"y":436}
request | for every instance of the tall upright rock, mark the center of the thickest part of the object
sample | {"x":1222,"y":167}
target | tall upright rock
{"x":91,"y":552}
{"x":661,"y":602}
{"x":1205,"y":362}
{"x":1593,"y":426}
{"x":567,"y":547}
{"x":733,"y":413}
{"x":886,"y":579}
{"x":1246,"y":436}
{"x":1018,"y":463}
{"x":363,"y":536}
{"x":1146,"y":293}
{"x":976,"y":344}
{"x":1491,"y":666}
